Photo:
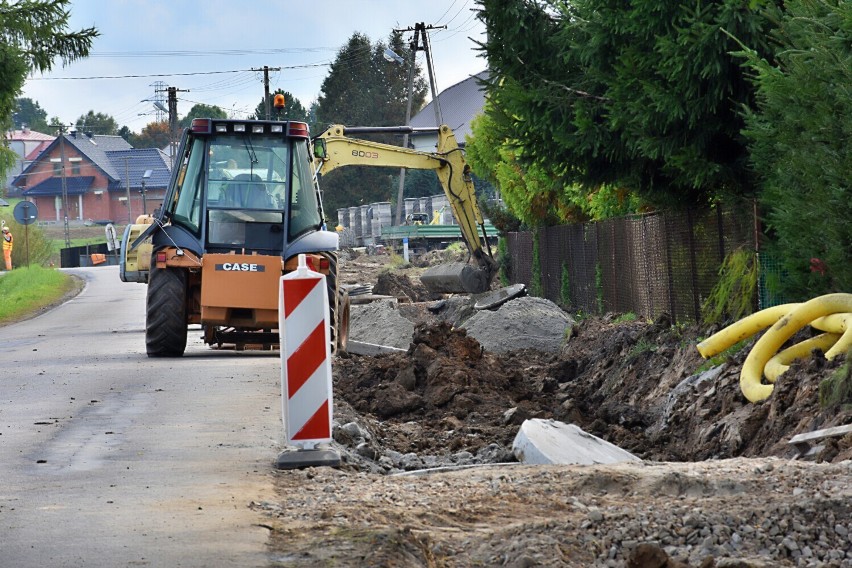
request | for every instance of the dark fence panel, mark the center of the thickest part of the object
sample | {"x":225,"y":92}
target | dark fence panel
{"x":646,"y":264}
{"x":75,"y":257}
{"x":521,"y":257}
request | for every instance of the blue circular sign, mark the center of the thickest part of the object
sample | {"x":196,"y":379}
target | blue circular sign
{"x":25,"y":213}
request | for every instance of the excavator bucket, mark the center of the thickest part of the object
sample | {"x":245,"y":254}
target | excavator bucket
{"x":456,"y":278}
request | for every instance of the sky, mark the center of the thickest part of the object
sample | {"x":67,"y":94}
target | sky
{"x":207,"y":49}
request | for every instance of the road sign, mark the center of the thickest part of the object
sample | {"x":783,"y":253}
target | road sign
{"x":25,"y":213}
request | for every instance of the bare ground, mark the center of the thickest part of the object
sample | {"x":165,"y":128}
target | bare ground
{"x":428,"y":477}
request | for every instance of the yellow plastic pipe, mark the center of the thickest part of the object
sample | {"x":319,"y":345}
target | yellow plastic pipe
{"x":779,"y":364}
{"x":742,"y":329}
{"x":780,"y":332}
{"x":836,"y":323}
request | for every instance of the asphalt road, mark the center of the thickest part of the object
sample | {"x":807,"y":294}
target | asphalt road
{"x":109,"y":458}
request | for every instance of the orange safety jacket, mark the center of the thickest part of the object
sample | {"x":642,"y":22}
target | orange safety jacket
{"x":7,"y":241}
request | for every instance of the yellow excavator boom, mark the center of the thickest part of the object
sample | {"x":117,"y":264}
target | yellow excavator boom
{"x":336,"y":147}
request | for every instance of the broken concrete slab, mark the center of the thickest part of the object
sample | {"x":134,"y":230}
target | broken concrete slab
{"x":546,"y":442}
{"x":363,"y":348}
{"x":806,"y":443}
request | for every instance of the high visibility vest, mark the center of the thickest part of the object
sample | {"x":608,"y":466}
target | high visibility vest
{"x":7,"y":241}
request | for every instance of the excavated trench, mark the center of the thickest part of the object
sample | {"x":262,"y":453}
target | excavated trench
{"x":469,"y":378}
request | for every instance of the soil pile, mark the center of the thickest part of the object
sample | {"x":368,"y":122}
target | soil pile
{"x":633,"y":384}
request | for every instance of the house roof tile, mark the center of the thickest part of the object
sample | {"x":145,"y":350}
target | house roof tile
{"x":459,"y":105}
{"x":53,"y":186}
{"x":95,"y":148}
{"x":28,"y":135}
{"x":135,"y":161}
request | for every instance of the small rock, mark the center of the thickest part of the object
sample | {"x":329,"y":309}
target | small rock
{"x":407,"y":378}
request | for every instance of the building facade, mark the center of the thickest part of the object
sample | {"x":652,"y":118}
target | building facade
{"x":94,"y":178}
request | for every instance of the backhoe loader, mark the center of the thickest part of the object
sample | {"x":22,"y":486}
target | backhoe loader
{"x":242,"y":204}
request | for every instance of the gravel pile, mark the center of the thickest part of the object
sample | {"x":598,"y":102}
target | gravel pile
{"x":380,"y":323}
{"x":358,"y":449}
{"x":523,"y":323}
{"x":790,"y":521}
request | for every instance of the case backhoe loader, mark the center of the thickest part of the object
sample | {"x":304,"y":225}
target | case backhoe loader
{"x":242,"y":204}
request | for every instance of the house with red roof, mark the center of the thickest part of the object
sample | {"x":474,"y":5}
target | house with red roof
{"x":27,"y":144}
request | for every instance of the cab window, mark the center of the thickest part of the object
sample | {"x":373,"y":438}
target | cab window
{"x":304,"y":206}
{"x":188,"y":207}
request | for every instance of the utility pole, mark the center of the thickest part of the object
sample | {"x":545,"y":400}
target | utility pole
{"x":267,"y":104}
{"x":439,"y":119}
{"x":172,"y":92}
{"x":419,"y":33}
{"x":127,"y":186}
{"x":64,"y":184}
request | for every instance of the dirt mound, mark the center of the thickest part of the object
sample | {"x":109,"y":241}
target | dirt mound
{"x":399,"y":285}
{"x":633,"y":384}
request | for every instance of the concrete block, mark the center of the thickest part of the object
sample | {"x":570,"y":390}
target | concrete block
{"x":547,"y":442}
{"x":371,"y":349}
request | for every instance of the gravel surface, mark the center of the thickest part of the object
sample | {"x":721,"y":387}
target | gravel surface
{"x":763,"y":512}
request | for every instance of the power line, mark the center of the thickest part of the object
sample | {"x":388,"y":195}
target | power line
{"x":165,"y":74}
{"x":207,"y":53}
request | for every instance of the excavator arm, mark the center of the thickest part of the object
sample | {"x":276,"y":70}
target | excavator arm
{"x":335,"y":148}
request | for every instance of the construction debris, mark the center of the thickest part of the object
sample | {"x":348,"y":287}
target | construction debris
{"x":549,"y":442}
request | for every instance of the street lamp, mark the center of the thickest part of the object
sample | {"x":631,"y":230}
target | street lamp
{"x":391,"y":56}
{"x":145,"y":176}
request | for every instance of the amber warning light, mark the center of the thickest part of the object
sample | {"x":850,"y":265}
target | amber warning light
{"x":279,"y":101}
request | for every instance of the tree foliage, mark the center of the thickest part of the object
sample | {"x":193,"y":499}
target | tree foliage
{"x":97,"y":123}
{"x":591,"y":95}
{"x":364,"y":89}
{"x":530,"y":189}
{"x":29,"y":112}
{"x":32,"y":245}
{"x":293,"y":108}
{"x":200,"y":110}
{"x":33,"y":35}
{"x":800,"y":144}
{"x":153,"y":135}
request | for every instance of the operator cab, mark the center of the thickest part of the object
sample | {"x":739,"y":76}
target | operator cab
{"x":245,"y":186}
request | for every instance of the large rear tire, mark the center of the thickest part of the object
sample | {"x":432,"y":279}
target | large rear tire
{"x":338,"y":307}
{"x":165,"y":321}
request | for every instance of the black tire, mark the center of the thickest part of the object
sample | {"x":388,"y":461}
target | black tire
{"x":338,"y":308}
{"x":165,"y":321}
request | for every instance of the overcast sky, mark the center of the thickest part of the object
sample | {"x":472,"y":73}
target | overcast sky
{"x":196,"y":45}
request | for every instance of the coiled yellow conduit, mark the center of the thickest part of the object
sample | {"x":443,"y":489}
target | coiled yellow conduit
{"x":831,"y":313}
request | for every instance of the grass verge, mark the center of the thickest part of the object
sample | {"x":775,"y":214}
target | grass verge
{"x":25,"y":291}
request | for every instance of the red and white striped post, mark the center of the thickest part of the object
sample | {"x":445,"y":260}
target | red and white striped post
{"x":306,"y":391}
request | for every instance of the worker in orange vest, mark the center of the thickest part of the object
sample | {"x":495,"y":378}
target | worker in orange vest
{"x":8,"y":242}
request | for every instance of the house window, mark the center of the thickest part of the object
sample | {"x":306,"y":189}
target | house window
{"x":57,"y":169}
{"x":75,"y":165}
